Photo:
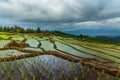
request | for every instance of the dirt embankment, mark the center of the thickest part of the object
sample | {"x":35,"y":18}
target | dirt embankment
{"x":1,"y":38}
{"x":16,"y":44}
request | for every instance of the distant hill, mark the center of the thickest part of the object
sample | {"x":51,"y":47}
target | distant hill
{"x":108,"y":39}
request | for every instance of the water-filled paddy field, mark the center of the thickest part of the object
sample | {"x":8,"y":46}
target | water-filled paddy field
{"x":31,"y":57}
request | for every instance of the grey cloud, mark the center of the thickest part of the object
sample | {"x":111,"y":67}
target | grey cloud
{"x":59,"y":12}
{"x":55,"y":10}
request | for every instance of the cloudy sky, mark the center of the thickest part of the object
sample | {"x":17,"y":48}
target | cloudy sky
{"x":91,"y":17}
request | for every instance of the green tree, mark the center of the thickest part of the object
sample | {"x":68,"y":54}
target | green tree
{"x":38,"y":30}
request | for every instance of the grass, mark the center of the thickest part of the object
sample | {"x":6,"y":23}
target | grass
{"x":3,"y":33}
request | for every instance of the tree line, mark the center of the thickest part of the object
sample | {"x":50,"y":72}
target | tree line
{"x":18,"y":29}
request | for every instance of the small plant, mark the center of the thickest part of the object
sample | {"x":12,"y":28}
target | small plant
{"x":98,"y":74}
{"x":83,"y":75}
{"x":11,"y":66}
{"x":33,"y":76}
{"x":12,"y":78}
{"x":75,"y":78}
{"x":68,"y":67}
{"x":107,"y":77}
{"x":103,"y":71}
{"x":98,"y":78}
{"x":26,"y":78}
{"x":21,"y":72}
{"x":3,"y":72}
{"x":54,"y":78}
{"x":117,"y":75}
{"x":4,"y":66}
{"x":88,"y":69}
{"x":61,"y":75}
{"x":8,"y":75}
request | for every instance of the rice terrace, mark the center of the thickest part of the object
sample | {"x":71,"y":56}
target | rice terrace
{"x":45,"y":55}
